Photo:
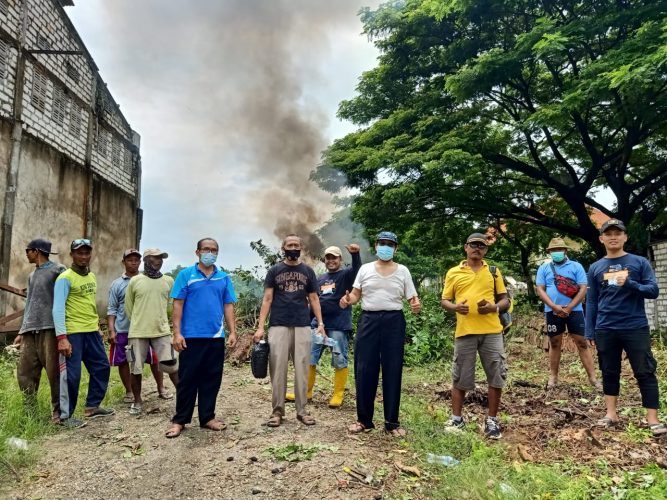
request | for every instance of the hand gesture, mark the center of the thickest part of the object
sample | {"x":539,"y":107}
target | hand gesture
{"x":345,"y":300}
{"x":259,"y":335}
{"x":560,"y":311}
{"x":320,"y":330}
{"x":483,"y":306}
{"x":352,"y":248}
{"x":415,"y":305}
{"x":621,"y":279}
{"x":462,"y":307}
{"x":179,"y":342}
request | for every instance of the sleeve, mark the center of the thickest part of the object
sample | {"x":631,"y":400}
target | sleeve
{"x":500,"y":283}
{"x":180,"y":288}
{"x":129,"y":298}
{"x":448,"y":288}
{"x":591,"y":304}
{"x":60,"y":294}
{"x":269,"y":280}
{"x":112,"y":307}
{"x":647,"y":287}
{"x":352,"y":271}
{"x":312,"y":282}
{"x":409,"y":289}
{"x":541,"y":277}
{"x":27,"y":300}
{"x":580,"y":275}
{"x":359,"y":278}
{"x":229,"y":296}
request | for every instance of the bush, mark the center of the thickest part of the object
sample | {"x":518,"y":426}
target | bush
{"x":429,"y":334}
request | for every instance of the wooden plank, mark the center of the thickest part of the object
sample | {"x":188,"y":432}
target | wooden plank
{"x":15,"y":315}
{"x":12,"y":289}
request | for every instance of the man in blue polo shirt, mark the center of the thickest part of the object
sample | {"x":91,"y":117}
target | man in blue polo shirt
{"x":203,"y":297}
{"x":563,"y":309}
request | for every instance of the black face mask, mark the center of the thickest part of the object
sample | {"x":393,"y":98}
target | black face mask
{"x":292,"y":254}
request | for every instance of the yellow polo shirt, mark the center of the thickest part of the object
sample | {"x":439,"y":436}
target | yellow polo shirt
{"x":462,"y":283}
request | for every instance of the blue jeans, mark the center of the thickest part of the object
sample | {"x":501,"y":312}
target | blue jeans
{"x":338,"y":361}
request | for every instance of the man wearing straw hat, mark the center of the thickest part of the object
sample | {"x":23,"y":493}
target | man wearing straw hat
{"x":561,"y":285}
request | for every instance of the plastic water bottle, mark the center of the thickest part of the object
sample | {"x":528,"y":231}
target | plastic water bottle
{"x":445,"y":460}
{"x":17,"y":443}
{"x":327,"y":341}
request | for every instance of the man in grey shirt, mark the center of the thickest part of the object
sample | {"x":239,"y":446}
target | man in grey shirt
{"x":37,"y":338}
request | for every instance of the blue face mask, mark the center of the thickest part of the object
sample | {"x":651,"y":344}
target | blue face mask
{"x":208,"y":259}
{"x":558,"y":256}
{"x":384,"y":252}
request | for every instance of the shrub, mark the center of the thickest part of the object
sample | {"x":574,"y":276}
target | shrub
{"x":429,"y":334}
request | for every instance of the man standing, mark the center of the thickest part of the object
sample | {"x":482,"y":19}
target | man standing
{"x":561,"y":285}
{"x":37,"y":338}
{"x":119,"y":326}
{"x":382,"y":286}
{"x":203,"y":297}
{"x":146,"y":302}
{"x":290,"y":286}
{"x":616,"y":321}
{"x":332,"y":286}
{"x":79,"y":340}
{"x":471,"y":291}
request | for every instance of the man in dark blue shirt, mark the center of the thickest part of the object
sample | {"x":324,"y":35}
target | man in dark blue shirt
{"x":616,"y":322}
{"x":331,"y":287}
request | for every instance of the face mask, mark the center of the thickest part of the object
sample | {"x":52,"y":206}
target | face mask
{"x":292,"y":254}
{"x":385,"y":252}
{"x":558,"y":256}
{"x":208,"y":259}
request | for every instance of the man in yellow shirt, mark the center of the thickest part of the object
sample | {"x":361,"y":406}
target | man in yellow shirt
{"x":477,"y":297}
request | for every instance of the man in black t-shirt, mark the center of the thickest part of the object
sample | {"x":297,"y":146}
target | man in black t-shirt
{"x":290,"y":286}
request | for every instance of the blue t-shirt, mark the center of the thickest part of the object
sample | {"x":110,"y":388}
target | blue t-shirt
{"x":116,"y":306}
{"x":331,"y":287}
{"x":204,"y":299}
{"x":613,"y":307}
{"x":569,"y":269}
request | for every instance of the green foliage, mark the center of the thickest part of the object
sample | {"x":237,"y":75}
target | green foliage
{"x":296,"y":452}
{"x":430,"y":334}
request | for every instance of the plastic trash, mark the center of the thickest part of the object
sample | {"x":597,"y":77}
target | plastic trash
{"x":259,"y":359}
{"x":17,"y":443}
{"x":445,"y":460}
{"x":507,"y":489}
{"x":327,"y":341}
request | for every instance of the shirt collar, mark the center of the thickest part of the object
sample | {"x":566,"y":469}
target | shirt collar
{"x":464,"y":264}
{"x":46,"y":265}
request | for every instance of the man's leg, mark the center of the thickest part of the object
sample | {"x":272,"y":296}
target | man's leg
{"x":29,"y":370}
{"x":367,"y":365}
{"x":339,"y":363}
{"x":124,"y":374}
{"x":576,"y":326}
{"x":138,"y":352}
{"x":188,"y":382}
{"x":95,"y":360}
{"x":70,"y":376}
{"x":210,"y":378}
{"x":463,"y":371}
{"x":637,"y":345}
{"x":302,"y":347}
{"x":48,"y":352}
{"x":392,"y":344}
{"x":315,"y":354}
{"x":555,"y":330}
{"x":279,"y":340}
{"x":610,"y":350}
{"x":494,"y":362}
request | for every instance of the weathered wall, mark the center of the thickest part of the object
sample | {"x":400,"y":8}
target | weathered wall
{"x":656,"y":310}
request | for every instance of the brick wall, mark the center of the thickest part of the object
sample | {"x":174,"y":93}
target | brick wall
{"x":656,"y":310}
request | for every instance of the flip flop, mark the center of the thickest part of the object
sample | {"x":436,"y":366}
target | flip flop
{"x":398,"y":432}
{"x":165,"y":395}
{"x":174,"y":431}
{"x":214,"y":425}
{"x":357,"y":428}
{"x":607,"y":423}
{"x":274,"y":421}
{"x":306,"y":419}
{"x":658,"y":429}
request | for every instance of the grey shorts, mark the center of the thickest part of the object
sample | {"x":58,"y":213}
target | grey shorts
{"x":492,"y":354}
{"x":137,"y":349}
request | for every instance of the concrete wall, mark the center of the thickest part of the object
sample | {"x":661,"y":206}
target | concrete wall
{"x":656,"y":310}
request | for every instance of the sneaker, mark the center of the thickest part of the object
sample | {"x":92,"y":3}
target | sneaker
{"x":99,"y":412}
{"x":72,"y":423}
{"x":492,"y":428}
{"x":455,"y":424}
{"x":135,"y":409}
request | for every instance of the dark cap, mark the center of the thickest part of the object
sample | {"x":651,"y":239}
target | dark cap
{"x":81,"y":242}
{"x":131,"y":251}
{"x":387,"y":235}
{"x":479,"y":237}
{"x":43,"y":246}
{"x":612,"y":223}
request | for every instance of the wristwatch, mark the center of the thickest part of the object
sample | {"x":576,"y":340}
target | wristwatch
{"x":497,"y":308}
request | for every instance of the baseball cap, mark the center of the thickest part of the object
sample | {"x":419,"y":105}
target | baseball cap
{"x":131,"y":251}
{"x":333,"y":251}
{"x":612,"y":223}
{"x":387,"y":235}
{"x":41,"y":245}
{"x":479,"y":237}
{"x":80,"y":242}
{"x":155,"y":252}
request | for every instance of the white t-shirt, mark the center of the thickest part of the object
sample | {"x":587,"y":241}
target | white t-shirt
{"x":384,"y":293}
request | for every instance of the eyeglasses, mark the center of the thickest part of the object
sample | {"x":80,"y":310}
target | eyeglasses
{"x":476,"y":244}
{"x":81,"y":241}
{"x":28,"y":250}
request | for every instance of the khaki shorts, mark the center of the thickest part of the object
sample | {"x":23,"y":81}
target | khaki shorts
{"x":492,"y":354}
{"x":137,"y":349}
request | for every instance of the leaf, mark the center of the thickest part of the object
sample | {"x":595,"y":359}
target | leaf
{"x":524,"y":453}
{"x":408,"y":469}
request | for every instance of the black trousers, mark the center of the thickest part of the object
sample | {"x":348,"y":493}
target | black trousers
{"x":199,"y":376}
{"x":379,"y":345}
{"x":637,"y":346}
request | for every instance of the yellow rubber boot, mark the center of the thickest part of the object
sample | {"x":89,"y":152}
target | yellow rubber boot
{"x":312,"y":373}
{"x":340,"y":380}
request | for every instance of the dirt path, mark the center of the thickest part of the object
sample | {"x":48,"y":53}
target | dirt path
{"x":129,"y":457}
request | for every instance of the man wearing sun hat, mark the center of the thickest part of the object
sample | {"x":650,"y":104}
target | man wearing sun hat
{"x":146,"y":303}
{"x":79,"y":340}
{"x":561,"y":285}
{"x":618,"y":285}
{"x":36,"y":338}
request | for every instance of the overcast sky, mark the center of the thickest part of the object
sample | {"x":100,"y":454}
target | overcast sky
{"x":234,"y":100}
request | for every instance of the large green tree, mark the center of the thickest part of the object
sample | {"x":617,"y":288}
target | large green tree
{"x":524,"y":110}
